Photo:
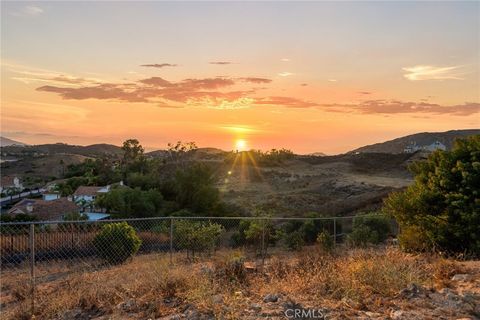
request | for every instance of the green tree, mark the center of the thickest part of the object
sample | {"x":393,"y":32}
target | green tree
{"x":132,"y":203}
{"x":197,"y":236}
{"x":195,"y":190}
{"x":133,"y":158}
{"x":179,"y":152}
{"x":444,"y":202}
{"x":372,"y":229}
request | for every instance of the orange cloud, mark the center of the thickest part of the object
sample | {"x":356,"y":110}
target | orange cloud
{"x":396,"y":106}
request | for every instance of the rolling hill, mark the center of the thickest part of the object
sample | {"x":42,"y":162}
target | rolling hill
{"x":94,"y":150}
{"x":5,"y":142}
{"x":421,"y":139}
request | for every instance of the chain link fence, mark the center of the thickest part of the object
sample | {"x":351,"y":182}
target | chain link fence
{"x":34,"y":253}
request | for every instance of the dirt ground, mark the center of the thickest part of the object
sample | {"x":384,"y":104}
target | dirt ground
{"x":375,"y":283}
{"x":337,"y":187}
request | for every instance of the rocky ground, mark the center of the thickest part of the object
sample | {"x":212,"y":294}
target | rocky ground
{"x":374,"y":283}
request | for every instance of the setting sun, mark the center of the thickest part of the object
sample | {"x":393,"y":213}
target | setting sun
{"x":241,"y":145}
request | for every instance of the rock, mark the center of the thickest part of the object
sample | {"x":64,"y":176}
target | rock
{"x":292,"y":305}
{"x":412,"y":291}
{"x":398,"y":314}
{"x":127,"y":306}
{"x":271,"y":298}
{"x":372,"y":314}
{"x":352,"y":304}
{"x":471,"y":298}
{"x":404,"y":315}
{"x":461,"y":277}
{"x":250,"y":266}
{"x":255,"y":307}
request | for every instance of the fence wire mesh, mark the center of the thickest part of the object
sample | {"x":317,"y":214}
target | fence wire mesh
{"x":33,"y":253}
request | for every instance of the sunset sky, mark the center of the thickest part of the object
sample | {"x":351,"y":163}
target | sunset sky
{"x":312,"y":76}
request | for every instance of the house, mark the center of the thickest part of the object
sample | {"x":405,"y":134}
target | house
{"x":437,"y":145}
{"x":413,"y":147}
{"x":89,"y":193}
{"x":10,"y":183}
{"x":85,"y":196}
{"x":53,"y":210}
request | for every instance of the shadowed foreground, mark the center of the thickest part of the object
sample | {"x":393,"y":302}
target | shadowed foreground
{"x":371,"y":283}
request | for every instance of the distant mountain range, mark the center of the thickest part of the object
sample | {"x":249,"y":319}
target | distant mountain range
{"x":420,"y":139}
{"x":398,"y":145}
{"x":4,"y":142}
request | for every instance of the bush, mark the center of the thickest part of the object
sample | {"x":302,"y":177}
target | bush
{"x":294,"y":240}
{"x":308,"y":230}
{"x":117,"y":242}
{"x":412,"y":239}
{"x":443,"y":203}
{"x":196,"y":236}
{"x":231,"y":267}
{"x":369,"y":230}
{"x":325,"y":241}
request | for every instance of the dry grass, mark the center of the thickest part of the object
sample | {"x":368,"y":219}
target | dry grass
{"x":149,"y":287}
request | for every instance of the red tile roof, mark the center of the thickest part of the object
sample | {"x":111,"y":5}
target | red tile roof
{"x":86,"y":191}
{"x":45,"y":210}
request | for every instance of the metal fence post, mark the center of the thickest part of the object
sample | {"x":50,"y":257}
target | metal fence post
{"x":32,"y":266}
{"x":334,"y":232}
{"x":171,"y":240}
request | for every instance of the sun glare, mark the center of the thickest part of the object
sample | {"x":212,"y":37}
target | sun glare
{"x":241,"y":145}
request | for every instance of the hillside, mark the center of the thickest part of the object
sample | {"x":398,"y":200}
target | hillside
{"x":421,"y":139}
{"x":94,"y":150}
{"x":4,"y":142}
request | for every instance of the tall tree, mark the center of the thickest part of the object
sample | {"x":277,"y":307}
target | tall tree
{"x":443,"y":205}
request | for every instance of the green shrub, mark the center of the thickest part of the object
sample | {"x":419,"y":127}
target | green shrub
{"x":412,"y":239}
{"x":117,"y":242}
{"x":294,"y":240}
{"x":369,"y":230}
{"x":197,"y":236}
{"x":325,"y":241}
{"x":444,"y":200}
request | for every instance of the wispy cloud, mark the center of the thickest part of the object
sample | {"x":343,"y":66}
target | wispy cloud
{"x":405,"y":107}
{"x":159,"y":65}
{"x":256,"y":80}
{"x":289,"y":102}
{"x":332,"y":80}
{"x":220,"y":62}
{"x":28,"y":75}
{"x":285,"y":74}
{"x":27,"y":11}
{"x":426,"y":72}
{"x":285,"y":59}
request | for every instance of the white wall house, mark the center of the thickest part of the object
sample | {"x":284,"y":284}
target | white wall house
{"x":437,"y":145}
{"x":413,"y":147}
{"x":85,"y":196}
